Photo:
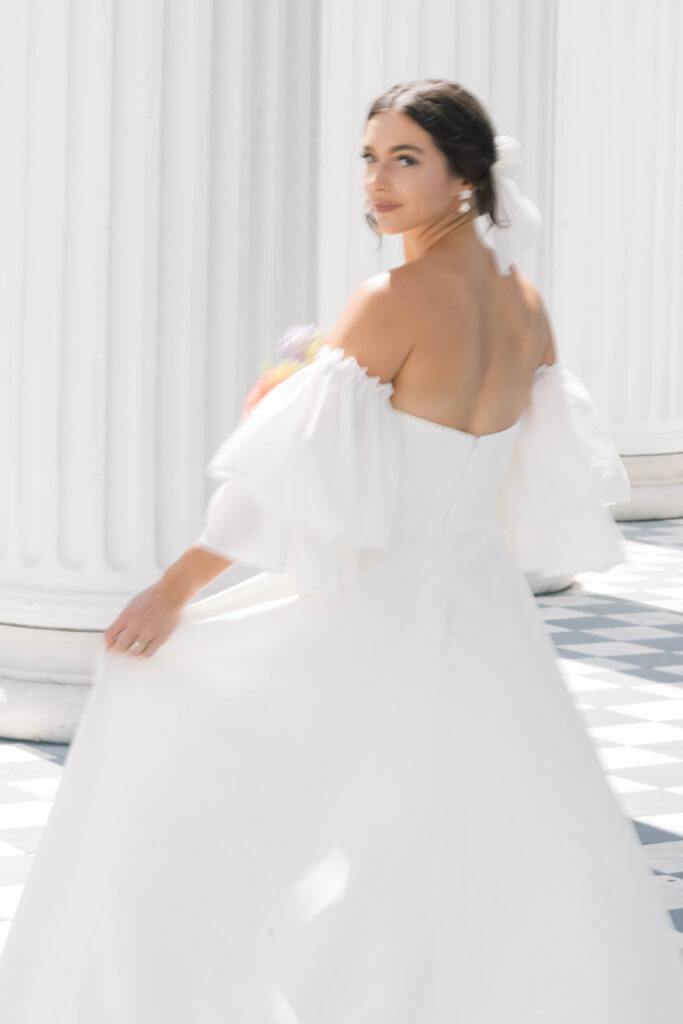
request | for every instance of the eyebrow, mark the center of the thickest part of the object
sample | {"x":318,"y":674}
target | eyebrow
{"x":394,"y":149}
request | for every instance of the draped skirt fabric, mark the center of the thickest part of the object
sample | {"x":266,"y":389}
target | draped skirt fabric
{"x":373,"y":807}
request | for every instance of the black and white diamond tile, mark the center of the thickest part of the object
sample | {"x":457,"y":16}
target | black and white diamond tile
{"x":619,"y":638}
{"x":30,"y":774}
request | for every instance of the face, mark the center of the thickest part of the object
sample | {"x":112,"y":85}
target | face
{"x":404,"y":167}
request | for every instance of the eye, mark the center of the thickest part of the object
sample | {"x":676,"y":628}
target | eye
{"x":410,"y":160}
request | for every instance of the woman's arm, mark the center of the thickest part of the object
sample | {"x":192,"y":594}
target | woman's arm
{"x":192,"y":571}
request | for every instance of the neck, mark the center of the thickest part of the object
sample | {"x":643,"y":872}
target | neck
{"x":458,"y":234}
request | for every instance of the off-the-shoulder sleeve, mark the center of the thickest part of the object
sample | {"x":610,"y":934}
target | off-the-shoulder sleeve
{"x":564,"y":473}
{"x":311,"y":476}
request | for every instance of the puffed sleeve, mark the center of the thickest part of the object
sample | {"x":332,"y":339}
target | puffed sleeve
{"x":310,"y":476}
{"x":563,"y":474}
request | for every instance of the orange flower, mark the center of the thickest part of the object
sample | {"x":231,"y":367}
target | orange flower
{"x":266,"y":382}
{"x":297,"y":347}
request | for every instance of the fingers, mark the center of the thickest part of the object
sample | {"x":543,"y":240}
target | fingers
{"x":124,"y":633}
{"x":148,"y":650}
{"x":129,"y":642}
{"x":144,"y":624}
{"x":139,"y":647}
{"x":112,"y":632}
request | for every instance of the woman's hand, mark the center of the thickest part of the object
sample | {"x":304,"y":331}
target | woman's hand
{"x":150,"y":617}
{"x":146,"y":622}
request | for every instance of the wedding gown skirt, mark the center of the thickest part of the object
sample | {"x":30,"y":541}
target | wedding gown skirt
{"x":354,"y":789}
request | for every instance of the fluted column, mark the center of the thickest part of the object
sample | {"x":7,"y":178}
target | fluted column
{"x":618,"y":226}
{"x":158,"y":202}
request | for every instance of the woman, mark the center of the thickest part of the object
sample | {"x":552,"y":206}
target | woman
{"x":354,"y":788}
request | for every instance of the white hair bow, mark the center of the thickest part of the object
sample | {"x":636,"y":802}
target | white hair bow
{"x":521,"y":221}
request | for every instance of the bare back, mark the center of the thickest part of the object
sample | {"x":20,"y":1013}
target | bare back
{"x":477,"y":338}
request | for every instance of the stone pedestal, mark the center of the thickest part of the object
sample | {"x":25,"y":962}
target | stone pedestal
{"x":44,"y":681}
{"x":657,"y":485}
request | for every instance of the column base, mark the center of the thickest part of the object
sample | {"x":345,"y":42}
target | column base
{"x":45,"y":678}
{"x":656,"y":485}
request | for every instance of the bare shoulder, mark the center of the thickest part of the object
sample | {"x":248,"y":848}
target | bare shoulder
{"x":535,"y":300}
{"x":372,"y":326}
{"x":527,"y":287}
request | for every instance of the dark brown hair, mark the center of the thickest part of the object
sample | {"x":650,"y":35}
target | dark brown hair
{"x":459,"y":126}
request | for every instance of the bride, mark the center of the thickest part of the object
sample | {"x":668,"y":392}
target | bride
{"x":458,"y":342}
{"x":354,"y":788}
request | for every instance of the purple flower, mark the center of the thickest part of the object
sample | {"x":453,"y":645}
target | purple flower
{"x":296,"y":340}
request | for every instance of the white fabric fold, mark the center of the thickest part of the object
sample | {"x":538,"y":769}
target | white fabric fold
{"x":310,"y":476}
{"x":564,"y":472}
{"x":521,"y":222}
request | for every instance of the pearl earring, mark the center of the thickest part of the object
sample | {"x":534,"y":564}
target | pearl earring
{"x":464,"y":194}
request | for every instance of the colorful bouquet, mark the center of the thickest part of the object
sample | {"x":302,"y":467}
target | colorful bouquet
{"x":297,"y":347}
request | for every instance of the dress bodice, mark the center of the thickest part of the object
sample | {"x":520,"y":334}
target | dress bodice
{"x":448,"y":474}
{"x":324,"y":468}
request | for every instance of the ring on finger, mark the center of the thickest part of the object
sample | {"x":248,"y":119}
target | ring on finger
{"x":140,"y":644}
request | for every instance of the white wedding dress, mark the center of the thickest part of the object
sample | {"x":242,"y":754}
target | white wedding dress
{"x":354,"y":789}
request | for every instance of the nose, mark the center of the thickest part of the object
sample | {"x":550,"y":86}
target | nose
{"x":378,"y":176}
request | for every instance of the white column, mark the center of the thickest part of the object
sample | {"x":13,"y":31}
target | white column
{"x":158,"y":197}
{"x":618,"y":216}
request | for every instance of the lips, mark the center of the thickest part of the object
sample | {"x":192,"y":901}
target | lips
{"x":384,"y":207}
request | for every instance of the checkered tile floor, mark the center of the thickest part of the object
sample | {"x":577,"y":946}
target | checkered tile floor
{"x":619,"y":637}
